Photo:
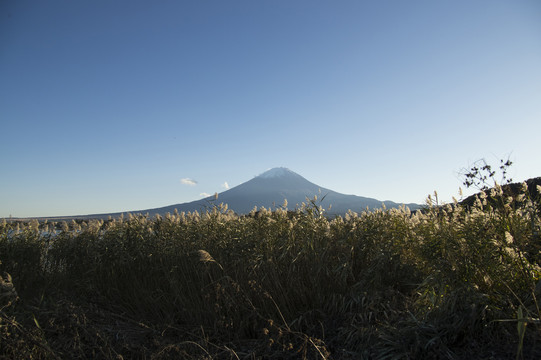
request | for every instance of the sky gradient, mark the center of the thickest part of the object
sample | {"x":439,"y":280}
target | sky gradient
{"x":110,"y":106}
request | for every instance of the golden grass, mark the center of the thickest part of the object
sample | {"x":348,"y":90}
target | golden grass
{"x":387,"y":284}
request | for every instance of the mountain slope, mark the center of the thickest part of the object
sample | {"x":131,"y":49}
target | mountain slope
{"x":271,"y":188}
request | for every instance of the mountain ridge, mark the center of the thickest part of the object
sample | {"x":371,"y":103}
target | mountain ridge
{"x":269,"y":189}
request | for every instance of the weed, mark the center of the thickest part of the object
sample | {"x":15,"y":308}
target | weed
{"x":438,"y":283}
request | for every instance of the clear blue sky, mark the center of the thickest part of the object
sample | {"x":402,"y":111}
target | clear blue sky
{"x":107,"y":105}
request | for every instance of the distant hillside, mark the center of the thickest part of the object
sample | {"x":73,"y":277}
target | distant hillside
{"x":270,"y":189}
{"x":512,"y":190}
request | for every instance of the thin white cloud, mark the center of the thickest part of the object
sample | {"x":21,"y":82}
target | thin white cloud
{"x":225,"y":185}
{"x":204,"y":194}
{"x":188,"y":181}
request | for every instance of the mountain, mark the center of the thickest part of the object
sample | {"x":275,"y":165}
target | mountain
{"x":269,"y":190}
{"x":510,"y":190}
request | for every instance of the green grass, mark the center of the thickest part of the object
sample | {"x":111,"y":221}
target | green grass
{"x":446,"y":282}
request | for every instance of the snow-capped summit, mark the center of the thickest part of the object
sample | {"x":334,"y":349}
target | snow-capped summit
{"x":276,"y":172}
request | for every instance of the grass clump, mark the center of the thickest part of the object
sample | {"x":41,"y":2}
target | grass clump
{"x":446,"y":282}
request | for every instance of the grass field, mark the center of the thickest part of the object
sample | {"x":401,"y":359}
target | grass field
{"x":449,"y":282}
